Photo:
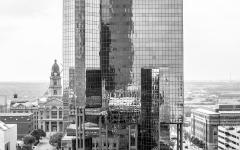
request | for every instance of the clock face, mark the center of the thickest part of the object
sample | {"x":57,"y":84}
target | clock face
{"x":55,"y":74}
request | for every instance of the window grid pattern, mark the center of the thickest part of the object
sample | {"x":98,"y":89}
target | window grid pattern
{"x":68,"y":39}
{"x":137,"y":45}
{"x":142,"y":53}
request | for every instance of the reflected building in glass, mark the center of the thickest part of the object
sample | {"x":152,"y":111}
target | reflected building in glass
{"x":129,"y":55}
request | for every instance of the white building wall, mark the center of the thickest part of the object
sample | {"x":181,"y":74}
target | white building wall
{"x":9,"y":135}
{"x":232,"y":138}
{"x":2,"y":140}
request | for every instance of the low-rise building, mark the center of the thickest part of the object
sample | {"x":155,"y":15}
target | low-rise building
{"x":24,"y":122}
{"x":205,"y":122}
{"x":68,"y":142}
{"x":102,"y":142}
{"x":95,"y":138}
{"x":69,"y":139}
{"x":26,"y":107}
{"x":228,"y":137}
{"x":8,"y":136}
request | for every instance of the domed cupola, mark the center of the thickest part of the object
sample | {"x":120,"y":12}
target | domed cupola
{"x":55,"y":69}
{"x":55,"y":88}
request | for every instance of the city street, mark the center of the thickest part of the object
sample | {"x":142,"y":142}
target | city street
{"x":44,"y":145}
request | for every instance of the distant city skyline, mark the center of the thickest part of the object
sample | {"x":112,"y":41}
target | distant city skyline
{"x":31,"y":38}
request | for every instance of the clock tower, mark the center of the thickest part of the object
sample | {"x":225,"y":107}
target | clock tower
{"x":55,"y":88}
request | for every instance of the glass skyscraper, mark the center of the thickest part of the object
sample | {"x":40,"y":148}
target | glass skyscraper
{"x":128,"y":54}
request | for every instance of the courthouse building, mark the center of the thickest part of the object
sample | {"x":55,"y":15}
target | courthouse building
{"x":50,"y":111}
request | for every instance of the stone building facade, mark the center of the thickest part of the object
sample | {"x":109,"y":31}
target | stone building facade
{"x":50,"y":112}
{"x":26,"y":107}
{"x":51,"y":116}
{"x":55,"y":87}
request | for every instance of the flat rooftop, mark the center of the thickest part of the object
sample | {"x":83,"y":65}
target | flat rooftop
{"x":5,"y":127}
{"x":205,"y":111}
{"x":229,"y":112}
{"x":16,"y":114}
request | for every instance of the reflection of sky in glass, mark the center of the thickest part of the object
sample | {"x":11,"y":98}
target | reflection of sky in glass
{"x":145,"y":36}
{"x":120,"y":39}
{"x":68,"y":39}
{"x":92,"y":33}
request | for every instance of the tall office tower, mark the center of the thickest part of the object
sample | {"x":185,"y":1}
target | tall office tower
{"x":74,"y":75}
{"x":135,"y":47}
{"x":142,"y":48}
{"x":69,"y":41}
{"x":69,"y":45}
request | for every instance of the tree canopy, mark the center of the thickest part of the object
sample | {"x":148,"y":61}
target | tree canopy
{"x":38,"y":134}
{"x":55,"y":139}
{"x":29,"y":139}
{"x":198,"y":142}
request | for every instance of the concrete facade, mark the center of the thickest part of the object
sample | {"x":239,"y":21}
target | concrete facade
{"x":228,"y":137}
{"x":205,"y":122}
{"x":8,"y":136}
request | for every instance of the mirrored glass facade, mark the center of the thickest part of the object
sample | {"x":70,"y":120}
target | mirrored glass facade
{"x":68,"y":41}
{"x":129,"y":54}
{"x":68,"y":54}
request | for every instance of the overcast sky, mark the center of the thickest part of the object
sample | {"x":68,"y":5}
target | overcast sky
{"x":31,"y":38}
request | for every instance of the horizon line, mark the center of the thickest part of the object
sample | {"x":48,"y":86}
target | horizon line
{"x":46,"y":81}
